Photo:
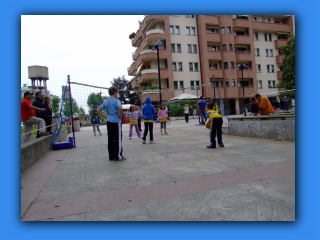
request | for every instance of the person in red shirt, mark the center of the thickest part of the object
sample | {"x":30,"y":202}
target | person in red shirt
{"x":28,"y":116}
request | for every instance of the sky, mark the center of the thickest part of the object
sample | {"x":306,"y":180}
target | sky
{"x":92,"y":49}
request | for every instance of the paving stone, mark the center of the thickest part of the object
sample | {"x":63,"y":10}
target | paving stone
{"x":77,"y":217}
{"x":51,"y":192}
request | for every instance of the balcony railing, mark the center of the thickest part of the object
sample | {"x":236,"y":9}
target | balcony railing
{"x":154,"y":31}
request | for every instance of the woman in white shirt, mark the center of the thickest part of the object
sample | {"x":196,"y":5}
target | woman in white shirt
{"x":186,"y":113}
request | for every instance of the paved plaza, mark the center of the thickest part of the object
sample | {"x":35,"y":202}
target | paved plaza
{"x":175,"y":179}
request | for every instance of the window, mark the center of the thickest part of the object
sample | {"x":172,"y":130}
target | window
{"x":177,"y":30}
{"x":267,"y":52}
{"x":258,"y":68}
{"x":271,"y":84}
{"x":180,"y":66}
{"x":194,"y":48}
{"x":223,"y":31}
{"x":230,"y":48}
{"x":173,"y":48}
{"x":189,"y":48}
{"x":192,"y":85}
{"x":229,"y":30}
{"x":232,"y":65}
{"x":233,"y":83}
{"x":254,"y":19}
{"x":268,"y":20}
{"x":198,"y":84}
{"x":257,"y":50}
{"x":171,"y":29}
{"x":225,"y":65}
{"x":193,"y":67}
{"x":271,"y":53}
{"x":268,"y":36}
{"x":270,"y":68}
{"x":264,"y":20}
{"x":227,"y":83}
{"x":224,"y":47}
{"x":188,"y":30}
{"x":181,"y":85}
{"x":256,"y":36}
{"x":259,"y":84}
{"x":174,"y":66}
{"x":214,"y":48}
{"x":193,"y":31}
{"x":175,"y":85}
{"x":179,"y":48}
{"x":189,"y":16}
{"x":244,"y":83}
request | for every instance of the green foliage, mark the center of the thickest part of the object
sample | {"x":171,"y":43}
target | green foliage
{"x":150,"y":46}
{"x":82,"y":113}
{"x":288,"y":67}
{"x":55,"y":106}
{"x":66,"y":107}
{"x":94,"y":101}
{"x":177,"y":110}
{"x":132,"y":35}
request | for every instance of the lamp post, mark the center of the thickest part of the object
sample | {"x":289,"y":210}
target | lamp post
{"x":241,"y":67}
{"x":156,"y":46}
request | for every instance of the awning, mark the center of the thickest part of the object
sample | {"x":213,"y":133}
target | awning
{"x":283,"y":33}
{"x":241,"y":46}
{"x":139,"y":68}
{"x":240,"y":29}
{"x":212,"y":27}
{"x":242,"y":15}
{"x":213,"y":44}
{"x":217,"y":79}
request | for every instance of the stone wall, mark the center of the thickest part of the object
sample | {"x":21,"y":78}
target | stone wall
{"x":271,"y":127}
{"x":32,"y":151}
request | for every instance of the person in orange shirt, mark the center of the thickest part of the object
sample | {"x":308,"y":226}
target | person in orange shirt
{"x":265,"y":105}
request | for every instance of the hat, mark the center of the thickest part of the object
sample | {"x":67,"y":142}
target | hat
{"x":26,"y":93}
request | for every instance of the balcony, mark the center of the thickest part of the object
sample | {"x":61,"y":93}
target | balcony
{"x":279,"y":59}
{"x":243,"y":56}
{"x":214,"y":55}
{"x":152,"y":73}
{"x":248,"y":91}
{"x":135,"y":55}
{"x":247,"y":73}
{"x":131,"y":69}
{"x":279,"y":75}
{"x":147,"y":54}
{"x":280,"y":42}
{"x":240,"y":22}
{"x":134,"y":84}
{"x":149,"y":19}
{"x":136,"y":40}
{"x":209,"y":19}
{"x":153,"y":31}
{"x":218,"y":73}
{"x":272,"y":27}
{"x":243,"y":39}
{"x":212,"y":37}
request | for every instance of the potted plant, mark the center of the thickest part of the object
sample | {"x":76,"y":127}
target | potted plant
{"x":150,"y":46}
{"x":132,"y":35}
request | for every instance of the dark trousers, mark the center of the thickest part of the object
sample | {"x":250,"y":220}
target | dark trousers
{"x":186,"y":117}
{"x":48,"y":121}
{"x":148,"y":125}
{"x":114,"y":140}
{"x":216,"y":129}
{"x":139,"y":124}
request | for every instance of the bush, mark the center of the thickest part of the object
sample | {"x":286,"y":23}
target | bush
{"x":144,"y":88}
{"x":132,"y":35}
{"x":177,"y":111}
{"x":150,"y":46}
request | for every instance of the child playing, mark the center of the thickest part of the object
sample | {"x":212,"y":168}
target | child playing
{"x":95,"y":121}
{"x":139,"y":118}
{"x":148,"y":113}
{"x":163,"y":115}
{"x":216,"y":126}
{"x":133,"y":114}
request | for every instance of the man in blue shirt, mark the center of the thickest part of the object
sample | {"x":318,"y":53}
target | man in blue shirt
{"x":286,"y":103}
{"x":114,"y":109}
{"x":202,"y":110}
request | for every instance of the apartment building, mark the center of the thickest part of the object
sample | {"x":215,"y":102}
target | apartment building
{"x":200,"y":47}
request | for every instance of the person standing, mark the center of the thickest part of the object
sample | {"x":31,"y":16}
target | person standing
{"x":48,"y":108}
{"x":114,"y":110}
{"x":169,"y":112}
{"x":133,"y":115}
{"x":201,"y":107}
{"x":216,"y":126}
{"x":286,"y":103}
{"x":186,"y":113}
{"x":28,"y":117}
{"x":95,"y":121}
{"x":139,"y":118}
{"x":265,"y":105}
{"x":149,"y":114}
{"x":163,"y":115}
{"x":40,"y":114}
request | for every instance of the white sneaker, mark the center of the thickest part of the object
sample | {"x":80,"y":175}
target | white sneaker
{"x":152,"y":142}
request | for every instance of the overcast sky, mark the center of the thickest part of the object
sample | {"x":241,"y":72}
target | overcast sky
{"x":92,"y":49}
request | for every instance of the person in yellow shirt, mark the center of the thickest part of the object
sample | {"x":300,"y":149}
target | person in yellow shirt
{"x":216,"y":126}
{"x":265,"y":105}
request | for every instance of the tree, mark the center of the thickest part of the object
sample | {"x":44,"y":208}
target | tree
{"x":66,"y":107}
{"x":123,"y":84}
{"x":288,"y":67}
{"x":55,"y":106}
{"x":94,"y":101}
{"x":82,"y":113}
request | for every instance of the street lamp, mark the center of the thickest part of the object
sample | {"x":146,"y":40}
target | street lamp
{"x":156,"y":46}
{"x":241,"y":67}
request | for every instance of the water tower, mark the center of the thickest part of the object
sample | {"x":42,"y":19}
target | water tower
{"x":37,"y":74}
